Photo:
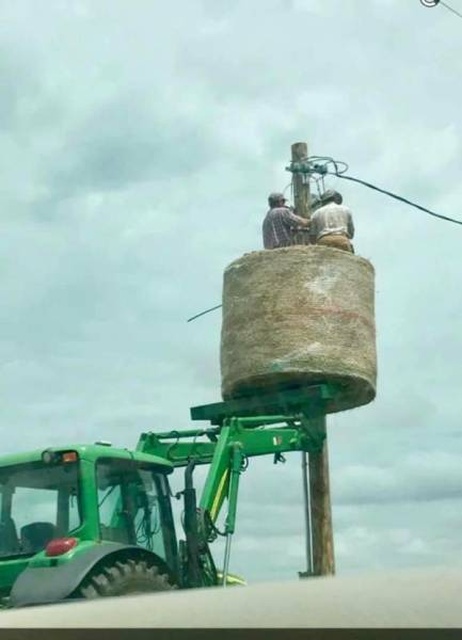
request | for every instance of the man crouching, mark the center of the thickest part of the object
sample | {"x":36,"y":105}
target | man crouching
{"x":332,"y":223}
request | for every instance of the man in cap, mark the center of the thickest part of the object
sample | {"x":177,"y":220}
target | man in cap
{"x":281,"y":223}
{"x":332,"y":223}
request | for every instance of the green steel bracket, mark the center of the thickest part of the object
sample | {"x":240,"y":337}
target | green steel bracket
{"x":312,"y":401}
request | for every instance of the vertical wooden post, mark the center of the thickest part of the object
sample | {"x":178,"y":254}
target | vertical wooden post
{"x":321,"y":512}
{"x":301,"y":190}
{"x":320,"y":506}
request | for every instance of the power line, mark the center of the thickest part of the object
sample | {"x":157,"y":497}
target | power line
{"x":431,"y":4}
{"x":325,"y":165}
{"x":202,"y":313}
{"x":396,"y":197}
{"x":451,"y":9}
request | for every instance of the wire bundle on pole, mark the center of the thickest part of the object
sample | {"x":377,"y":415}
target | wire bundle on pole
{"x":325,"y":165}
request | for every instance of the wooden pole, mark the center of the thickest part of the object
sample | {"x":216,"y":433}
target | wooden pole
{"x":322,"y":539}
{"x":301,"y":190}
{"x":321,"y":512}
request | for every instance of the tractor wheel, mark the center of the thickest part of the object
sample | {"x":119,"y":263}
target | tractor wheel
{"x":123,"y":578}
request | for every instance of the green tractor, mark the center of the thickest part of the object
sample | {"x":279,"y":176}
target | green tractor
{"x":87,"y":521}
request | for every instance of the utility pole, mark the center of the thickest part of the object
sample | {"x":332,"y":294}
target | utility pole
{"x":321,"y":512}
{"x":318,"y":512}
{"x":301,"y":189}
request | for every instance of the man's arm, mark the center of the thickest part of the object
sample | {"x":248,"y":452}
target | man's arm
{"x":297,"y":220}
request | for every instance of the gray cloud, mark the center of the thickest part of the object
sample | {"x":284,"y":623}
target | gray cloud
{"x":138,"y":147}
{"x":125,"y":142}
{"x":421,"y":477}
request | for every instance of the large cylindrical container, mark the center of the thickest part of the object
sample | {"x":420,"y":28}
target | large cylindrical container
{"x":299,"y":316}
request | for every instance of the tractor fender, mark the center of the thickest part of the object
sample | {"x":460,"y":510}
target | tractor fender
{"x":44,"y":585}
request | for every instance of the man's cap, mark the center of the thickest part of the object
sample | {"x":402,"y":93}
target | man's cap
{"x":276,"y":197}
{"x":330,"y":194}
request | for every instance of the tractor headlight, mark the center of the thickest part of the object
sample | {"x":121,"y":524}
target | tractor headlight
{"x":49,"y":456}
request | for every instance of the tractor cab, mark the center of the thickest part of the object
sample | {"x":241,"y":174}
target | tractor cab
{"x":94,"y":503}
{"x":38,"y":503}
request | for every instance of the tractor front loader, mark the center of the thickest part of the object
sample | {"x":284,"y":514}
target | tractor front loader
{"x":87,"y":521}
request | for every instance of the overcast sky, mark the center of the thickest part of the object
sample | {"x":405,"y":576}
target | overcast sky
{"x":139,"y":142}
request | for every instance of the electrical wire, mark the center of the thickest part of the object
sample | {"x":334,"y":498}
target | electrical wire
{"x":198,"y":315}
{"x":451,"y":9}
{"x":396,"y":197}
{"x":431,"y":4}
{"x":285,"y":188}
{"x":321,"y":164}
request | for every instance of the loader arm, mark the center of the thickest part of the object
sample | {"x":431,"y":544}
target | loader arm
{"x":292,"y":421}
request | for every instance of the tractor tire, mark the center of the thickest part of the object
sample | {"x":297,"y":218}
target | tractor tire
{"x":124,"y":578}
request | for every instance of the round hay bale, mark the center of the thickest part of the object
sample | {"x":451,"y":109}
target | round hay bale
{"x":299,"y":316}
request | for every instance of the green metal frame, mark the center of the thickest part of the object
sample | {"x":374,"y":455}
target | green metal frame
{"x":292,"y":420}
{"x":267,"y":424}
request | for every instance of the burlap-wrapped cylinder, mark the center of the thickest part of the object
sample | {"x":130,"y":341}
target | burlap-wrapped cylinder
{"x":298,"y":316}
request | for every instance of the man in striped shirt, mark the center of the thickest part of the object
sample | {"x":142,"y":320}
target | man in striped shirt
{"x":280,"y":223}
